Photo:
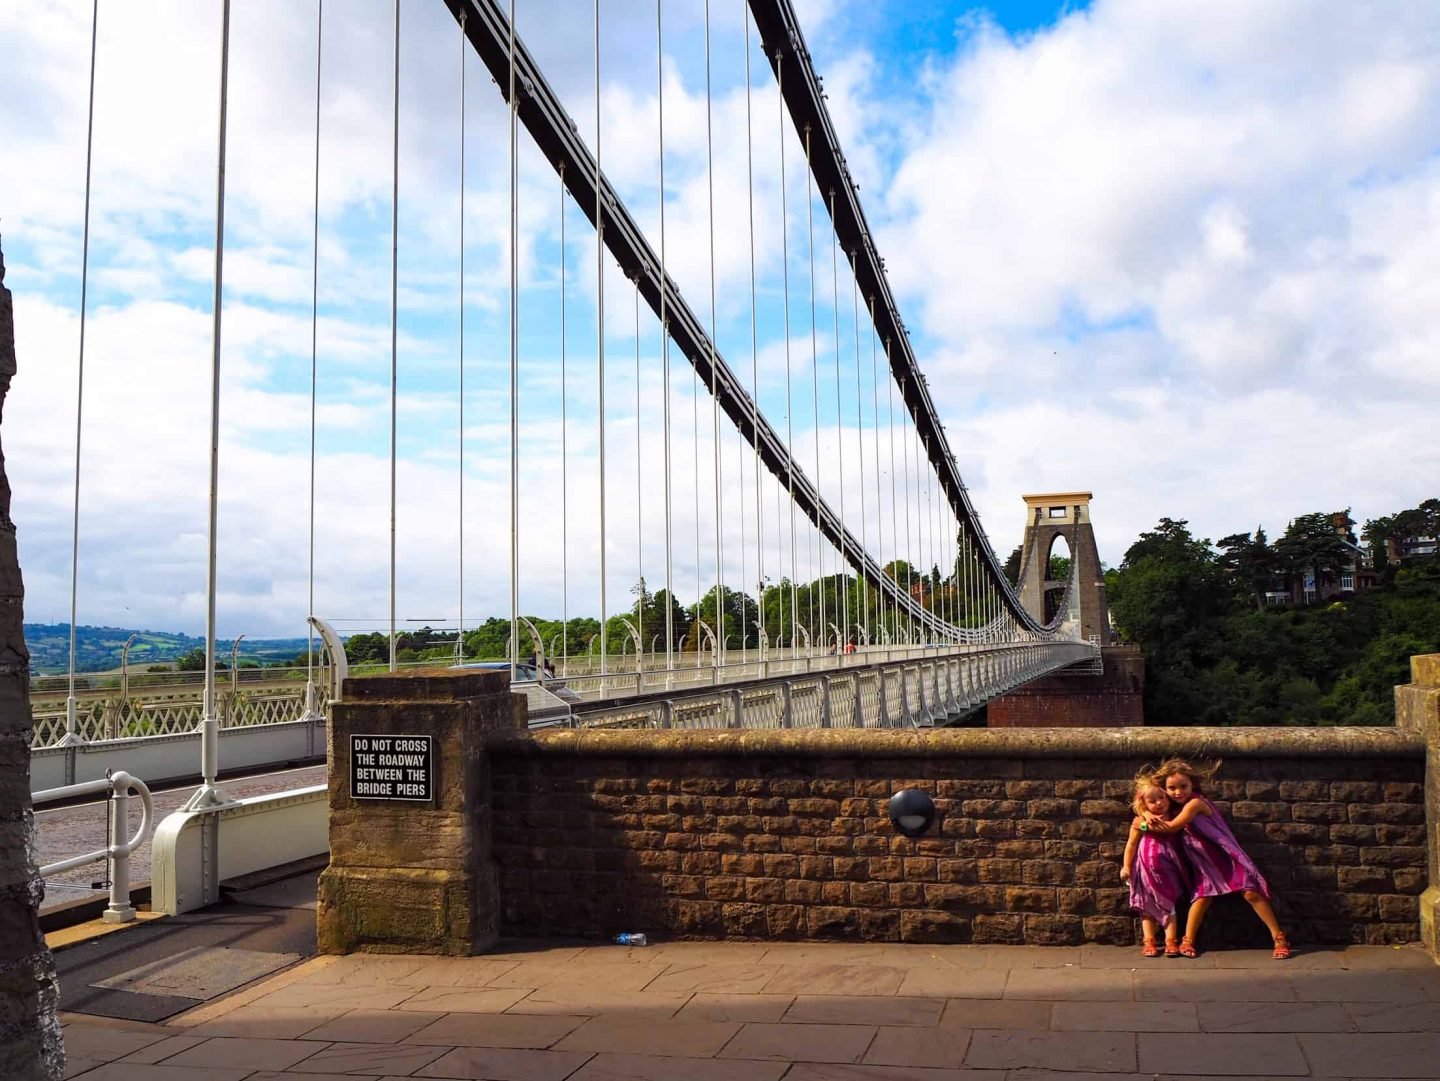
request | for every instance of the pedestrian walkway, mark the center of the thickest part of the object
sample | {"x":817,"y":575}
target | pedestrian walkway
{"x":734,"y":1011}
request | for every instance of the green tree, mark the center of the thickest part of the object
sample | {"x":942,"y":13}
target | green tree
{"x":194,"y":661}
{"x":1311,"y":546}
{"x":373,"y":647}
{"x":1250,"y":562}
{"x":1171,"y":597}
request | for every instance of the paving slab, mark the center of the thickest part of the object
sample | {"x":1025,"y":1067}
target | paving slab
{"x":1223,"y":1053}
{"x":1395,"y":1055}
{"x":1395,"y":1016}
{"x":368,"y":1058}
{"x":1351,"y":986}
{"x":262,"y":1020}
{"x":504,"y":1064}
{"x":227,"y":1052}
{"x":145,"y":1071}
{"x":714,"y":978}
{"x":821,"y":979}
{"x":801,"y":1043}
{"x":704,"y":1007}
{"x":858,"y":1010}
{"x":1007,"y":1013}
{"x":373,"y":1026}
{"x":497,"y":1030}
{"x":895,"y":1045}
{"x":1274,"y":1017}
{"x":628,"y":1035}
{"x":1095,"y":1052}
{"x":1084,"y":984}
{"x":1222,"y":985}
{"x":1124,"y":1017}
{"x":663,"y":1068}
{"x":811,"y":1071}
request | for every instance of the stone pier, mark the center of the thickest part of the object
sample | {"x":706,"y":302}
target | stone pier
{"x":1417,"y":709}
{"x":408,"y":875}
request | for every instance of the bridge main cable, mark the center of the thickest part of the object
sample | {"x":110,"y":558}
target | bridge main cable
{"x":486,"y":26}
{"x":779,"y":29}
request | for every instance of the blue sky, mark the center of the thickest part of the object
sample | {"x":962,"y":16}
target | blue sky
{"x":1162,"y":251}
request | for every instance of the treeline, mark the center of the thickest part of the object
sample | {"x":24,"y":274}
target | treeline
{"x":835,"y":606}
{"x":1218,"y":654}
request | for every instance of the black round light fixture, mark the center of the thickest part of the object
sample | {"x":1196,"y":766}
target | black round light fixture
{"x":912,"y":811}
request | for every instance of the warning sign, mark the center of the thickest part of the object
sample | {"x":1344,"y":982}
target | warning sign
{"x":392,"y":767}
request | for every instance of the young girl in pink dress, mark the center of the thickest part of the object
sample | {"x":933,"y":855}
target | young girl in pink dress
{"x":1154,"y":869}
{"x":1217,"y":863}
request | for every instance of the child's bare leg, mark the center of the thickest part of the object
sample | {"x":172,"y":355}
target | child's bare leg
{"x":1198,"y":908}
{"x":1266,"y":913}
{"x":1171,"y":927}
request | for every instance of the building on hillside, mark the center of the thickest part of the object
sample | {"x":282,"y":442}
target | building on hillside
{"x":1356,"y":574}
{"x":1399,"y":549}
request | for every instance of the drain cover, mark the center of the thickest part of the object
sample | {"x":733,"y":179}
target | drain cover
{"x":200,"y":973}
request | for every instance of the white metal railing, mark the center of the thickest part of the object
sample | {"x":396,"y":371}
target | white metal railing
{"x":169,"y":711}
{"x":911,"y":690}
{"x":922,"y":687}
{"x":119,"y":784}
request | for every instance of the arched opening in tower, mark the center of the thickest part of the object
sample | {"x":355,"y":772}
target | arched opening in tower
{"x":1057,"y":575}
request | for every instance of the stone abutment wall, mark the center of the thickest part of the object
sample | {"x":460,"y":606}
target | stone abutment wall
{"x":784,"y":835}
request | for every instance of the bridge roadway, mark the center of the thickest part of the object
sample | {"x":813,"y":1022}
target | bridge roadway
{"x":73,"y":829}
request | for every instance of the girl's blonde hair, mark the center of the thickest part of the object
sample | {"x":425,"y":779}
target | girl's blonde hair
{"x":1144,"y":781}
{"x":1200,"y":776}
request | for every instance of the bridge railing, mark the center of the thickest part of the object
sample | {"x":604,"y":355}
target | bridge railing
{"x":889,"y":681}
{"x":167,"y":711}
{"x":924,"y":687}
{"x":750,"y":665}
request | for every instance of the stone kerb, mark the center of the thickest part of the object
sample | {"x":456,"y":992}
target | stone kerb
{"x":1417,"y":710}
{"x":408,"y":876}
{"x":784,"y":834}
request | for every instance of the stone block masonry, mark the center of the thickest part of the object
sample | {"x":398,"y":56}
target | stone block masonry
{"x":31,"y":1046}
{"x":1115,"y":698}
{"x":406,"y":876}
{"x":784,"y":835}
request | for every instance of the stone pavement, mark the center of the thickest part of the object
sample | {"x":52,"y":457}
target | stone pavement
{"x":693,"y":1011}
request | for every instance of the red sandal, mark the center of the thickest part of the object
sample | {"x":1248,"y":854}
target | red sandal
{"x":1172,"y":948}
{"x":1187,"y":948}
{"x":1149,"y":949}
{"x":1282,"y":948}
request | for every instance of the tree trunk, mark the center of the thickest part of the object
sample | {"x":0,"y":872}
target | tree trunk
{"x":31,"y":1048}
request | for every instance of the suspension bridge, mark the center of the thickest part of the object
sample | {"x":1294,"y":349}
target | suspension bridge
{"x":798,"y":480}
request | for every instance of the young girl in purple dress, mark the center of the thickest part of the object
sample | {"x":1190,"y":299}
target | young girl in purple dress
{"x":1217,"y":863}
{"x":1154,"y":869}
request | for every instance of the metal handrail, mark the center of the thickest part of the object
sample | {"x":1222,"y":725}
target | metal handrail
{"x":119,"y":784}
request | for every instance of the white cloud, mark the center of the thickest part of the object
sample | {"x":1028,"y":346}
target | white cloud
{"x":1180,"y":254}
{"x":1225,"y":208}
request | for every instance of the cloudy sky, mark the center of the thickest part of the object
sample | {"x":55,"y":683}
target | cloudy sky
{"x":1182,"y":255}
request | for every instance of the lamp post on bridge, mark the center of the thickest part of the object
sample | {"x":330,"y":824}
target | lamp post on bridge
{"x":234,"y":678}
{"x":209,"y":796}
{"x":125,"y":669}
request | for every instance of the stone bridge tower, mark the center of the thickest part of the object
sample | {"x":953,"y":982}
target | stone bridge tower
{"x":1063,"y":514}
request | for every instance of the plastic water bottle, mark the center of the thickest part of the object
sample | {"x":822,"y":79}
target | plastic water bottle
{"x":631,"y":940}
